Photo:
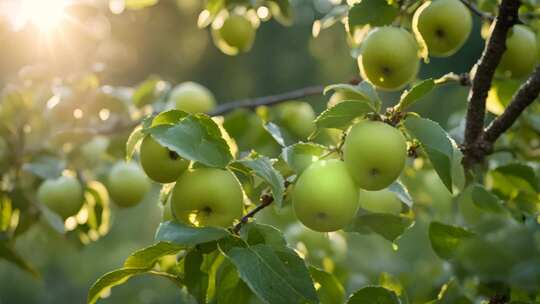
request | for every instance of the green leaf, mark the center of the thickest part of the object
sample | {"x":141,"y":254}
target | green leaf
{"x":373,"y":294}
{"x":134,"y":138}
{"x":392,"y":283}
{"x":514,"y":177}
{"x":418,"y":91}
{"x":262,"y":167}
{"x":299,"y":156}
{"x":9,"y":254}
{"x":46,"y":167}
{"x":446,"y":239}
{"x":147,"y":257}
{"x":372,"y":12}
{"x":148,"y":91}
{"x":335,"y":15}
{"x":274,"y":275}
{"x":118,"y":277}
{"x":52,"y":219}
{"x":364,"y":89}
{"x":342,"y":114}
{"x":139,"y":4}
{"x":279,"y":135}
{"x":389,"y":226}
{"x":169,"y":117}
{"x":254,"y":234}
{"x":486,"y":200}
{"x":195,"y":279}
{"x":197,"y":138}
{"x":330,"y":290}
{"x":436,"y":144}
{"x":451,"y":293}
{"x":184,"y":235}
{"x":230,"y":289}
{"x":402,"y":193}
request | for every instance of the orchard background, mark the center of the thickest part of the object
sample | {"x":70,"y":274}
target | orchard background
{"x":84,"y":81}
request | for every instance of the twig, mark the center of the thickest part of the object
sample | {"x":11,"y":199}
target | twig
{"x":477,"y":11}
{"x":463,"y":79}
{"x":525,"y":96}
{"x":266,"y":200}
{"x":252,"y":103}
{"x":481,"y":82}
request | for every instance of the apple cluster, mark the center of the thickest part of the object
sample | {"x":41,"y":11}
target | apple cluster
{"x":389,"y":56}
{"x":127,"y":183}
{"x":328,"y":194}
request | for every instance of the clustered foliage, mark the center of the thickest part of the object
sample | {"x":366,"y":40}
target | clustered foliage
{"x":257,"y":204}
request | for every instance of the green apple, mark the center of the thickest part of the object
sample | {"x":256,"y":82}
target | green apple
{"x":127,"y":184}
{"x":521,"y":53}
{"x":389,"y":58}
{"x":325,"y":197}
{"x":237,"y":32}
{"x":342,"y":95}
{"x":315,"y":245}
{"x":192,"y":97}
{"x":380,"y":201}
{"x":444,"y":25}
{"x":297,"y":117}
{"x":159,"y":163}
{"x":279,"y":217}
{"x":375,"y":154}
{"x":63,"y":195}
{"x":94,"y":150}
{"x":207,"y":197}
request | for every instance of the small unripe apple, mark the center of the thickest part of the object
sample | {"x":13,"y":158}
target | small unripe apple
{"x":342,"y":95}
{"x":297,"y":117}
{"x":444,"y":25}
{"x":521,"y":54}
{"x":389,"y":58}
{"x":279,"y":217}
{"x":159,"y":163}
{"x":94,"y":150}
{"x":238,"y":32}
{"x":315,"y":245}
{"x":63,"y":195}
{"x":192,"y":97}
{"x":381,"y":201}
{"x":127,"y":184}
{"x":207,"y":197}
{"x":325,"y":197}
{"x":375,"y":154}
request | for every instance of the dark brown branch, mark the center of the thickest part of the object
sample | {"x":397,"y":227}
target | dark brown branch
{"x":525,"y":96}
{"x":266,"y":200}
{"x":267,"y":100}
{"x":485,"y":70}
{"x":477,"y":11}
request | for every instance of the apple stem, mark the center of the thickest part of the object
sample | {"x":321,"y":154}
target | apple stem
{"x":266,"y":200}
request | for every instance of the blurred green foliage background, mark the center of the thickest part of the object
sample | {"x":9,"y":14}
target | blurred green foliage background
{"x":164,"y":40}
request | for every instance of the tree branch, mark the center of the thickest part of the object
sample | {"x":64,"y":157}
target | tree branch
{"x":266,"y":200}
{"x":485,"y":70}
{"x":477,"y":11}
{"x":525,"y":96}
{"x":252,"y":103}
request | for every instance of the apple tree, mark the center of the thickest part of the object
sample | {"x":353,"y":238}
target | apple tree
{"x":259,"y":196}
